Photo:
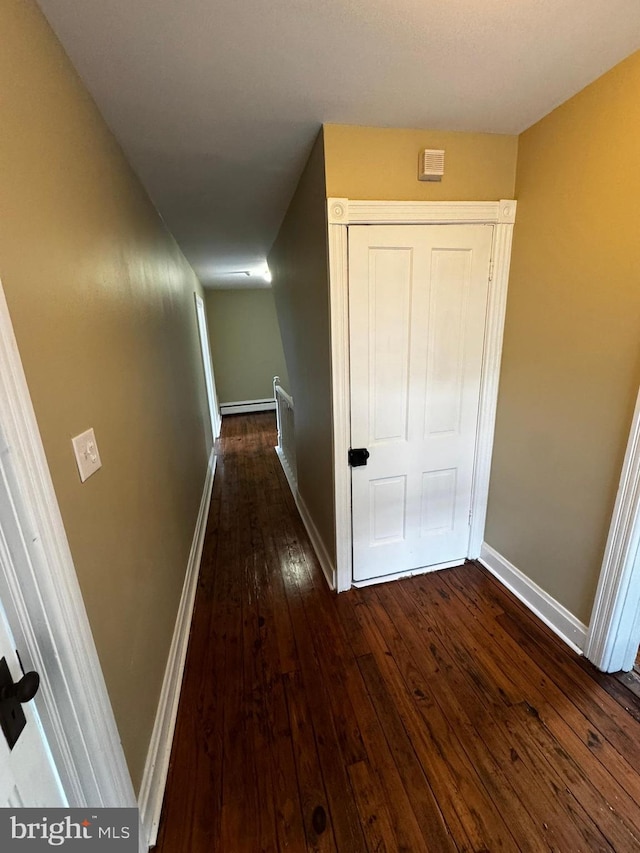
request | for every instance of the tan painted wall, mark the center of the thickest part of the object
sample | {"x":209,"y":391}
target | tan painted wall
{"x":356,"y":162}
{"x":298,"y":262}
{"x":571,"y":360}
{"x":103,"y":308}
{"x":246,"y":346}
{"x":382,"y":163}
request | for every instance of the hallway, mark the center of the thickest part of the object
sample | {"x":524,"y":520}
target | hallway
{"x":429,"y":714}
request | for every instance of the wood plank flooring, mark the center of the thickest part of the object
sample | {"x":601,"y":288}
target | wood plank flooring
{"x":430,"y":714}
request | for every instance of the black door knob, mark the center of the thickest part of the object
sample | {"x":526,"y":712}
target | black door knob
{"x":23,"y":690}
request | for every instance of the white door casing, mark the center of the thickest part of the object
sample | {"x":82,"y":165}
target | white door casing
{"x":344,"y":212}
{"x":209,"y":379}
{"x":44,"y":606}
{"x":614,"y":629}
{"x":28,"y":775}
{"x":417,"y":307}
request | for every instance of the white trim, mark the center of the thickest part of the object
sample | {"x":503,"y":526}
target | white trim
{"x":491,"y":358}
{"x":425,"y":570}
{"x":45,"y":607}
{"x":207,"y":366}
{"x":241,"y":407}
{"x":339,"y":308}
{"x":312,"y":530}
{"x":561,"y":621}
{"x":154,"y":779}
{"x":614,"y":630}
{"x":342,"y":212}
{"x":278,"y":390}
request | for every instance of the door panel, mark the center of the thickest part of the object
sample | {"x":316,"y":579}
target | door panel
{"x":389,"y":327}
{"x":417,"y":306}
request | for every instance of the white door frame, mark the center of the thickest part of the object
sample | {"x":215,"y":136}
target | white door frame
{"x":614,"y":629}
{"x":342,"y":212}
{"x":45,"y":608}
{"x":209,"y":378}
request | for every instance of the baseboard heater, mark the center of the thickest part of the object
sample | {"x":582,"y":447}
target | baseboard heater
{"x":241,"y":407}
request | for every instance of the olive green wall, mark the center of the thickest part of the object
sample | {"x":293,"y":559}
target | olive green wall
{"x":298,"y":262}
{"x":571,"y":358}
{"x":246,"y":347}
{"x":382,"y":163}
{"x":102,"y":305}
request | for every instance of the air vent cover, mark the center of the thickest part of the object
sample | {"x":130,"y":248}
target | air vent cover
{"x":431,"y":165}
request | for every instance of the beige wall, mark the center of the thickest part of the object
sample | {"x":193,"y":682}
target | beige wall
{"x":246,"y":346}
{"x":298,"y":262}
{"x":382,"y":163}
{"x":571,"y":360}
{"x":103,"y":309}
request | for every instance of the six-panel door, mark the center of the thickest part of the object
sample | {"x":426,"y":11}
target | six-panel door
{"x":417,"y":308}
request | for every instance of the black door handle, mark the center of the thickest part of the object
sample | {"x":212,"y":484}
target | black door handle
{"x":23,"y":690}
{"x":12,"y":696}
{"x":358,"y":456}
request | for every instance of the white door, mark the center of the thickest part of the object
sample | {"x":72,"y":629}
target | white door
{"x":28,"y":776}
{"x":417,"y":308}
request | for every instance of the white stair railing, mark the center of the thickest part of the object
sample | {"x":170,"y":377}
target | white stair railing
{"x":286,"y":448}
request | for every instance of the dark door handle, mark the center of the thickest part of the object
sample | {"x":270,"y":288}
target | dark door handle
{"x":23,"y":690}
{"x":358,"y":456}
{"x":12,"y":696}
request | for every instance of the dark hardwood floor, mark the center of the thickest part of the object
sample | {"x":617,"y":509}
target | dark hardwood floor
{"x":429,"y":714}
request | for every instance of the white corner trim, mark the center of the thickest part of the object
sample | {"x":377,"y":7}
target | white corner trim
{"x":491,"y":360}
{"x":341,"y":212}
{"x":614,"y":632}
{"x":338,"y":211}
{"x":312,"y":530}
{"x":339,"y":319}
{"x":156,"y":768}
{"x":240,"y":407}
{"x":45,"y":607}
{"x":561,"y":621}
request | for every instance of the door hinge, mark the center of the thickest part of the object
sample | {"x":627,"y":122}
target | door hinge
{"x":470,"y":516}
{"x":491,"y":270}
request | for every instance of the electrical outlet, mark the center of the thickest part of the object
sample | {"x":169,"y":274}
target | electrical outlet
{"x":86,"y":452}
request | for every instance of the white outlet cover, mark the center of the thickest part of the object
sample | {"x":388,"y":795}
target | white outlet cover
{"x":86,"y":453}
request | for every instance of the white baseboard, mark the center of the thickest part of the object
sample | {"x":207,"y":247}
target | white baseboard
{"x":318,"y":545}
{"x":240,"y":407}
{"x":561,"y":621}
{"x":157,"y":765}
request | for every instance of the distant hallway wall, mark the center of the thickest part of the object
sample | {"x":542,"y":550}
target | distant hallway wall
{"x":246,"y":347}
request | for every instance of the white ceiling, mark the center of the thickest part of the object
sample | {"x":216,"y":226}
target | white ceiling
{"x":216,"y":102}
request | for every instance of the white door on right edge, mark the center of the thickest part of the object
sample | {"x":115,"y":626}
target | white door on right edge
{"x":417,"y":309}
{"x":28,"y":775}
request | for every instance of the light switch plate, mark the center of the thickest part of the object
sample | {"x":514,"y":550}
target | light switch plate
{"x":86,"y":452}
